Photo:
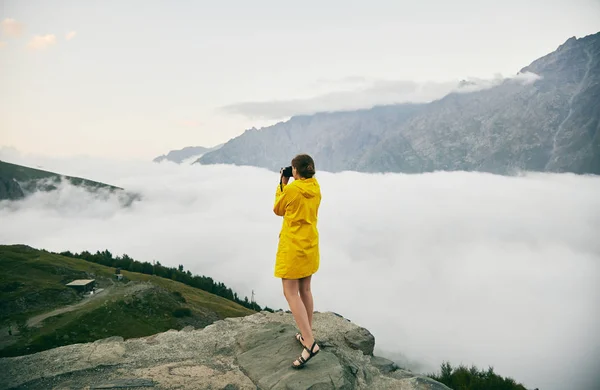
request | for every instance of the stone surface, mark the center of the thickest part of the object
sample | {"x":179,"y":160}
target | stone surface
{"x":252,"y":352}
{"x":361,"y":339}
{"x":123,"y":384}
{"x":384,"y":365}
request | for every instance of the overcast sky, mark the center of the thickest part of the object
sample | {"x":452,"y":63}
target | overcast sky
{"x":139,"y":78}
{"x":468,"y":267}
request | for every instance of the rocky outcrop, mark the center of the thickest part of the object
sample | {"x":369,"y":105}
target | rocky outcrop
{"x":547,"y":118}
{"x":252,"y":352}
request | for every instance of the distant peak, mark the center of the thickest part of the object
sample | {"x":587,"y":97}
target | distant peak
{"x":568,"y":43}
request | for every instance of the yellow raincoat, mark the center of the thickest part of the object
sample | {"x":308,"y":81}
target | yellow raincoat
{"x":298,"y":249}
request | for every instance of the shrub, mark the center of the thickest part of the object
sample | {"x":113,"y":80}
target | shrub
{"x":463,"y":378}
{"x":179,"y":297}
{"x":182,"y":312}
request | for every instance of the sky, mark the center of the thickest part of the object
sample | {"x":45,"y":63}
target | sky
{"x":471,"y":268}
{"x":135,"y":79}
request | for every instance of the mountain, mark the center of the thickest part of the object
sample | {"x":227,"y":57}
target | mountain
{"x":18,"y":181}
{"x":335,"y":140}
{"x":188,"y":153}
{"x":546,"y":118}
{"x":43,"y":313}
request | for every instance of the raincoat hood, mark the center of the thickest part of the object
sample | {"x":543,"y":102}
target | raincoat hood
{"x":309,"y":188}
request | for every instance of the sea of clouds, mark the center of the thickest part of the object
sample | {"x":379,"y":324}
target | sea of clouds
{"x":471,"y":268}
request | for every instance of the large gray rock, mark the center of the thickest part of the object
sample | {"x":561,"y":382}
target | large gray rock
{"x":361,"y":339}
{"x":384,"y":365}
{"x":253,"y":352}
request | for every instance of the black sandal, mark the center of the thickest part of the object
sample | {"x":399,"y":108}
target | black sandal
{"x":300,"y":338}
{"x":302,"y":360}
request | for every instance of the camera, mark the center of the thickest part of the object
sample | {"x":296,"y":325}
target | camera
{"x":287,"y":171}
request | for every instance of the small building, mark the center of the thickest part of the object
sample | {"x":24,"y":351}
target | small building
{"x":82,"y":285}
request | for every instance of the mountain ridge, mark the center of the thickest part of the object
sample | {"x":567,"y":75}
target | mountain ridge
{"x":545,"y":123}
{"x":178,"y":156}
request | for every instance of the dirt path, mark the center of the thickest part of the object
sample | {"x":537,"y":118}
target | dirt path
{"x":109,"y":291}
{"x":33,"y":321}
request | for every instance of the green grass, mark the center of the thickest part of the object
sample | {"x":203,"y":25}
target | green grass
{"x":142,"y":315}
{"x":192,"y":295}
{"x":33,"y":282}
{"x":24,"y":174}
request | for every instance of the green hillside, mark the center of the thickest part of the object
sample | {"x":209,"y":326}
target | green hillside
{"x":16,"y":181}
{"x":33,"y":284}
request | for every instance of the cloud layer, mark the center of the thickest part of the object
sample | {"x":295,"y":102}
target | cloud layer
{"x":466,"y":267}
{"x":475,"y":84}
{"x":364,"y":93}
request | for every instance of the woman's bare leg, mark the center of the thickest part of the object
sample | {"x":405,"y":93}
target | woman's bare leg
{"x":307,"y":298}
{"x":291,"y":291}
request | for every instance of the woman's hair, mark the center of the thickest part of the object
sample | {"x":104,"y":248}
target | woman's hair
{"x":305,"y":165}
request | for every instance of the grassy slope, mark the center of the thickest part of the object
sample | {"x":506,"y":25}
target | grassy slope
{"x":33,"y":282}
{"x":22,"y":174}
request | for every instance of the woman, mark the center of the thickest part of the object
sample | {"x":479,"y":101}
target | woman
{"x":298,"y":250}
